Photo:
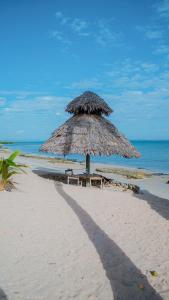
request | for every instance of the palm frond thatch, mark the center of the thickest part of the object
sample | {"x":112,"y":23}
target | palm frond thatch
{"x":89,"y":134}
{"x":89,"y":103}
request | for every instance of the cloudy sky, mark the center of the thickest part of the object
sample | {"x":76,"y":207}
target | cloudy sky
{"x":52,"y":51}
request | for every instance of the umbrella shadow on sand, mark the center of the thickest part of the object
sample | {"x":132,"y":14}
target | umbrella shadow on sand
{"x":126,"y":280}
{"x":160,"y":205}
{"x":2,"y":295}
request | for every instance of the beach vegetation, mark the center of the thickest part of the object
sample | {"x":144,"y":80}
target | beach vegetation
{"x":154,"y":273}
{"x":8,"y":168}
{"x":129,"y":174}
{"x":5,"y":143}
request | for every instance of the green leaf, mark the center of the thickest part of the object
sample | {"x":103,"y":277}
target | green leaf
{"x":1,"y":162}
{"x":9,"y":168}
{"x":11,"y":163}
{"x":14,"y":155}
{"x":11,"y":173}
{"x":154,"y":273}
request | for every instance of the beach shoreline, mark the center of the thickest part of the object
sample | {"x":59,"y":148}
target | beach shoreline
{"x":156,"y":184}
{"x":154,"y":155}
{"x":47,"y":156}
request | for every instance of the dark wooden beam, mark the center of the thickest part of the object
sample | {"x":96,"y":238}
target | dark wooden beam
{"x":88,"y":164}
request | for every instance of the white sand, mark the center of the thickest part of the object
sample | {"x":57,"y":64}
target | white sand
{"x":65,"y":242}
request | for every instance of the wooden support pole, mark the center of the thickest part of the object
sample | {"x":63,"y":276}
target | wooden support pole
{"x":88,"y":164}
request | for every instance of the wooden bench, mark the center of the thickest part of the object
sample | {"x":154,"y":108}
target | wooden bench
{"x":89,"y":179}
{"x":74,"y":178}
{"x":92,"y":178}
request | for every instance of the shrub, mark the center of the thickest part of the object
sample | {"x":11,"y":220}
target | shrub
{"x":8,"y":168}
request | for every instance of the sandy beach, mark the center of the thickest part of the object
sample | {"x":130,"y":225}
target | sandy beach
{"x":84,"y":150}
{"x":66,"y":242}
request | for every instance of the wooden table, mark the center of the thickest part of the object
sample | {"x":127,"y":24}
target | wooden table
{"x":74,"y":178}
{"x":87,"y":178}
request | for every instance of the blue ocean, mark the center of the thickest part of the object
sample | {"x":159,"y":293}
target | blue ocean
{"x":154,"y":155}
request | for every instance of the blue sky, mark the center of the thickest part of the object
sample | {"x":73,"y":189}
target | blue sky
{"x":52,"y":51}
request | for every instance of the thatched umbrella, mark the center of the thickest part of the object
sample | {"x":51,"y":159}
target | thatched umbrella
{"x":87,"y":132}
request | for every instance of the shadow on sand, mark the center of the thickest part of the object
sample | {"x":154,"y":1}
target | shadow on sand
{"x":2,"y":295}
{"x":160,"y":205}
{"x":124,"y":277}
{"x":53,"y":174}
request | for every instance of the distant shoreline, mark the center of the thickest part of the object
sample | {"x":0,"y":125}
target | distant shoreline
{"x":42,"y":141}
{"x":155,"y":155}
{"x":153,"y":182}
{"x":57,"y":159}
{"x":6,"y":143}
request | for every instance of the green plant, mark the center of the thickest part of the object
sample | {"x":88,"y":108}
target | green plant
{"x":8,"y":168}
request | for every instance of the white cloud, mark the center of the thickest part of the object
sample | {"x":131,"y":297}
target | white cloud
{"x":2,"y":101}
{"x":162,"y":50}
{"x":101,"y":31}
{"x":130,"y":67}
{"x":76,"y":25}
{"x":105,"y":36}
{"x":151,"y":32}
{"x":85,"y":84}
{"x":141,"y":80}
{"x":59,"y":36}
{"x":37,"y":105}
{"x":21,"y":93}
{"x":59,"y":15}
{"x":147,"y":105}
{"x":80,"y":27}
{"x":162,"y":8}
{"x":19,"y":131}
{"x":149,"y":67}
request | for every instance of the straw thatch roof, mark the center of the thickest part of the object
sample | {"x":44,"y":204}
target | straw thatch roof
{"x":89,"y":134}
{"x":89,"y":103}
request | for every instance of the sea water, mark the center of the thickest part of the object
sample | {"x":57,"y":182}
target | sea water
{"x":154,"y":155}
